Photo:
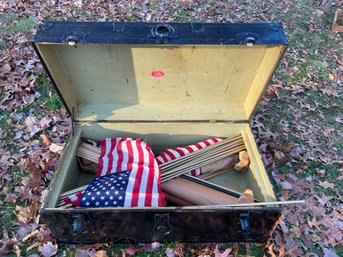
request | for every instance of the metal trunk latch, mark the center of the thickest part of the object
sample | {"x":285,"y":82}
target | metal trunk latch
{"x":77,"y":224}
{"x":161,"y":225}
{"x":244,"y":218}
{"x":74,"y":38}
{"x":162,"y":32}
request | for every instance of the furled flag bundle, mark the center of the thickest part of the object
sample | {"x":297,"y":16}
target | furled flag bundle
{"x":175,"y":153}
{"x":129,"y":175}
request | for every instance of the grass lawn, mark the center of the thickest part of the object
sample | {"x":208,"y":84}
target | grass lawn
{"x":298,"y":124}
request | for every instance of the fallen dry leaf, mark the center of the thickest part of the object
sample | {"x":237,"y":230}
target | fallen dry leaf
{"x":10,"y":198}
{"x":286,"y":185}
{"x":169,"y":252}
{"x":330,"y":92}
{"x":273,"y":90}
{"x":85,"y":252}
{"x":179,"y":249}
{"x":56,"y":148}
{"x":217,"y":253}
{"x":17,"y":251}
{"x":100,"y":253}
{"x":320,"y":173}
{"x":339,"y":119}
{"x":28,"y":213}
{"x":151,"y":247}
{"x":130,"y":251}
{"x":280,"y":157}
{"x":154,"y":246}
{"x":48,"y":249}
{"x":323,"y":199}
{"x":24,"y":214}
{"x":6,"y":68}
{"x":44,"y":234}
{"x":329,"y":253}
{"x":234,"y":249}
{"x":45,"y":139}
{"x":35,"y":179}
{"x":326,"y":184}
{"x":23,"y":231}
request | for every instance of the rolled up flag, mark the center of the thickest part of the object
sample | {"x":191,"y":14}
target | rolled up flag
{"x":123,"y":159}
{"x":174,"y":153}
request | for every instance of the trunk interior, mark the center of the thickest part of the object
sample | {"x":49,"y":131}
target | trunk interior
{"x":161,"y":136}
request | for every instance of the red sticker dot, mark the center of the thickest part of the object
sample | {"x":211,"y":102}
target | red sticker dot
{"x":157,"y":73}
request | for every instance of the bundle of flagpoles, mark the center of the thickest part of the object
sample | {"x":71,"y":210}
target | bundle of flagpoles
{"x":184,"y":164}
{"x":174,"y":168}
{"x":201,"y":158}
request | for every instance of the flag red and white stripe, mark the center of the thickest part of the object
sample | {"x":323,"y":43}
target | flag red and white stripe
{"x":174,"y":153}
{"x":73,"y":199}
{"x":120,"y":154}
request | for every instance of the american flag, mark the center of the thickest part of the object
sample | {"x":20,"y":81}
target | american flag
{"x":107,"y":191}
{"x":132,"y":157}
{"x":171,"y":154}
{"x":73,"y":199}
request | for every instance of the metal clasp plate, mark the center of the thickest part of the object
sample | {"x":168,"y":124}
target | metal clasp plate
{"x":77,"y":224}
{"x":244,"y":218}
{"x":161,"y":224}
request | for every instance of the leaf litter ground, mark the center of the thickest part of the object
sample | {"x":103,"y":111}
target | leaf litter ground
{"x":298,"y":125}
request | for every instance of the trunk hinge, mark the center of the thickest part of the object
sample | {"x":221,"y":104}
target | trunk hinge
{"x":223,"y":121}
